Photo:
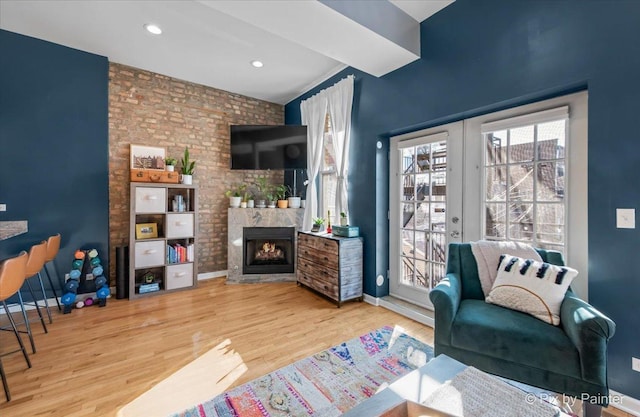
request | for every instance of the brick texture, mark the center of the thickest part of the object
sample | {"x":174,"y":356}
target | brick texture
{"x":146,"y":108}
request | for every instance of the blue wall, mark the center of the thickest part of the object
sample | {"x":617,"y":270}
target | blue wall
{"x":481,"y":56}
{"x":54,"y":146}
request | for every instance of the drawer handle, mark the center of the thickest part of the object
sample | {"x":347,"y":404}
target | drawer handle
{"x":150,"y":251}
{"x":151,"y":197}
{"x":180,"y":274}
{"x":181,"y":223}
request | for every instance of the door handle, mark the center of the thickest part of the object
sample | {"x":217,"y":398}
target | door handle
{"x":455,"y":234}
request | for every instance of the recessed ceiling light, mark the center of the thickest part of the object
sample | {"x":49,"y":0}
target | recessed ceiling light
{"x":151,"y":28}
{"x":257,"y":64}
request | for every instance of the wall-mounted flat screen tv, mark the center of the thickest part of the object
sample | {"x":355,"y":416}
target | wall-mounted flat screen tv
{"x":268,"y":147}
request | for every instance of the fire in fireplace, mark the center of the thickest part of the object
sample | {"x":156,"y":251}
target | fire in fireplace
{"x":268,"y":250}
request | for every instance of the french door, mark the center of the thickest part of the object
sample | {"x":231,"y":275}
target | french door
{"x":425,"y":208}
{"x":524,"y":179}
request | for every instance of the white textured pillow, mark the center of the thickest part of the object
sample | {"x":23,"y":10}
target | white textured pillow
{"x":533,"y":287}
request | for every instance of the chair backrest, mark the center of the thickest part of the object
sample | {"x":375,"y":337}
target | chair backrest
{"x":37,"y":255}
{"x":53,"y":246}
{"x":461,"y":261}
{"x":12,"y":275}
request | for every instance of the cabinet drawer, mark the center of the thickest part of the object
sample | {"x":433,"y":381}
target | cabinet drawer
{"x":319,"y":256}
{"x":149,"y":254}
{"x":329,"y":246}
{"x":150,"y":200}
{"x":179,"y":276}
{"x":179,"y":225}
{"x":317,"y":271}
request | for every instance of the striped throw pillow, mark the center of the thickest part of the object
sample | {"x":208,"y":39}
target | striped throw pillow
{"x":533,"y":287}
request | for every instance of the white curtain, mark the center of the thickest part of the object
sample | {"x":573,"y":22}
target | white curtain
{"x":313,"y":112}
{"x":340,"y":102}
{"x":337,"y":102}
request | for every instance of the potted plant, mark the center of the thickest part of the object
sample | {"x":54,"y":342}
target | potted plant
{"x":170,"y":164}
{"x":318,"y":223}
{"x":294,"y":200}
{"x":264,"y":191}
{"x":281,"y":195}
{"x":188,"y":167}
{"x":343,"y":219}
{"x":235,"y":194}
{"x":248,"y":197}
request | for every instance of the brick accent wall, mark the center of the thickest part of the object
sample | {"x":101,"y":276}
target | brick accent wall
{"x":146,"y":108}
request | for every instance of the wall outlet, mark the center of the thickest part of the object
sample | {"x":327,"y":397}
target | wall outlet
{"x":635,"y":364}
{"x":3,"y":207}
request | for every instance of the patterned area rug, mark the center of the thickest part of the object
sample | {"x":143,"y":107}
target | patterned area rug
{"x":326,"y":384}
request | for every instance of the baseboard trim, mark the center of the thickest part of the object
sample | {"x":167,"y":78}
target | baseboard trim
{"x":210,"y":275}
{"x":624,"y":403}
{"x":402,"y":310}
{"x":15,"y":308}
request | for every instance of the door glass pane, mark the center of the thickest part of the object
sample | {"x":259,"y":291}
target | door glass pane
{"x":496,"y":183}
{"x":521,"y":182}
{"x":421,"y":246}
{"x":550,"y":223}
{"x":408,"y":160}
{"x":496,"y":220}
{"x":408,"y":187}
{"x":550,"y":184}
{"x":551,"y":140}
{"x":407,"y":267}
{"x":422,"y":187}
{"x":520,"y":221}
{"x":496,"y":148}
{"x":438,"y":216}
{"x":423,"y":159}
{"x":438,"y":246}
{"x":408,"y":218}
{"x":521,"y":144}
{"x":423,"y":276}
{"x":422,"y":217}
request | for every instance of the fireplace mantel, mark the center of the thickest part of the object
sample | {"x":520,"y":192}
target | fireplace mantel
{"x":240,"y":218}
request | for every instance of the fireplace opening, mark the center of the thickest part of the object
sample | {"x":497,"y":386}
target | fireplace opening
{"x":268,"y":250}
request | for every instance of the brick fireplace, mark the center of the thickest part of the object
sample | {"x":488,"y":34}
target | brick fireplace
{"x":268,"y":230}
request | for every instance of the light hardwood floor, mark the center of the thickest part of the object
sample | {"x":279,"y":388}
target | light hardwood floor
{"x":95,"y":361}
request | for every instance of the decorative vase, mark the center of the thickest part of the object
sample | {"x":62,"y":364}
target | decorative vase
{"x":187,"y":179}
{"x":283,"y":203}
{"x":234,"y":202}
{"x":170,"y":168}
{"x":261,"y":203}
{"x":272,"y":204}
{"x":243,"y":204}
{"x":250,"y":204}
{"x":294,"y":202}
{"x":316,"y":228}
{"x":343,"y":221}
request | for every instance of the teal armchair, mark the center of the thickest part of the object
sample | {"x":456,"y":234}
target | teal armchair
{"x":570,"y":358}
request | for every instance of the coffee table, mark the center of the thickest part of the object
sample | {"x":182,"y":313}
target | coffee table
{"x":418,"y":385}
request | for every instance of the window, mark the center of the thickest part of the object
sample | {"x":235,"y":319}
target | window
{"x":328,"y":174}
{"x":524,"y":172}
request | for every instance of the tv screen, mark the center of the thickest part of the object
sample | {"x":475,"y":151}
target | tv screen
{"x":268,"y":147}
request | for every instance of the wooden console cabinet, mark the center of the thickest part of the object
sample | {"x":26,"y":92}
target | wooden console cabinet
{"x":330,"y":265}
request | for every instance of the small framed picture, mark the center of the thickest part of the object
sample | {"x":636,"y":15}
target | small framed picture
{"x":147,"y":157}
{"x":146,"y":230}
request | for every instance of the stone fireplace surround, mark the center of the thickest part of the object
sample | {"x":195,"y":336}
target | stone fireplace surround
{"x":240,"y":218}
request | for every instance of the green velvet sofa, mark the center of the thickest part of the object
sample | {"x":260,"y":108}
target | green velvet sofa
{"x":570,"y":358}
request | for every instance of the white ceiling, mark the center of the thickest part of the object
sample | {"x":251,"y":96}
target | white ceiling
{"x":212,"y":42}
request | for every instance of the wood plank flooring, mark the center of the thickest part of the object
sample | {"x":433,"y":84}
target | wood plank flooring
{"x":95,"y":361}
